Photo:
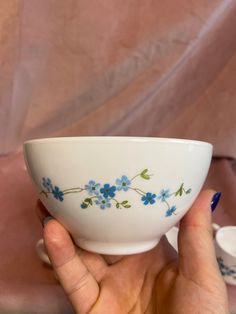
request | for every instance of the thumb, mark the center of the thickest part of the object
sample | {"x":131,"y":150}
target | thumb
{"x":197,"y":259}
{"x":77,"y":281}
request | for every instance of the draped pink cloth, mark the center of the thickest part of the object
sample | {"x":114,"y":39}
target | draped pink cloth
{"x":143,"y":68}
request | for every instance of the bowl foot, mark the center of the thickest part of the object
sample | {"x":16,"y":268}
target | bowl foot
{"x":117,"y":248}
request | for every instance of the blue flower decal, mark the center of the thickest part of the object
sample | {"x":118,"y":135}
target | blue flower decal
{"x":92,"y":187}
{"x":163,"y":195}
{"x":123,"y":183}
{"x":103,"y":202}
{"x":58,"y":194}
{"x":47,"y":183}
{"x":171,"y":211}
{"x":149,"y":198}
{"x":84,"y":205}
{"x":107,"y":195}
{"x":108,"y":191}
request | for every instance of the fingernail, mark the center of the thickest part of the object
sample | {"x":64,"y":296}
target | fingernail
{"x":215,"y":200}
{"x":46,"y":220}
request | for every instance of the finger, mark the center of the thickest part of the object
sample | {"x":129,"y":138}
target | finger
{"x":94,"y":262}
{"x":113,"y":259}
{"x":196,"y":247}
{"x":78,"y":283}
{"x":41,"y":211}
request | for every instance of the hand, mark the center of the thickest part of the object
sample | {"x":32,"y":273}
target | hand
{"x":152,"y":282}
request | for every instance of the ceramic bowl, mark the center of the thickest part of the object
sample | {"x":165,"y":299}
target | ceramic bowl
{"x":117,"y":195}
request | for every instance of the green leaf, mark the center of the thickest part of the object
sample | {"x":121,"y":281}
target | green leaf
{"x":89,"y":201}
{"x":180,"y":190}
{"x":188,"y":191}
{"x":127,"y":206}
{"x":124,"y":202}
{"x":144,"y":174}
{"x":117,"y":205}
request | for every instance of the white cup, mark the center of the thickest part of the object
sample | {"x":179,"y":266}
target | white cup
{"x":225,"y":243}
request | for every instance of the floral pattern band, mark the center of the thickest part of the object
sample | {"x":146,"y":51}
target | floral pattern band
{"x":105,"y":195}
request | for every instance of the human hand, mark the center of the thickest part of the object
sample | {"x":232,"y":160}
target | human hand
{"x":157,"y":281}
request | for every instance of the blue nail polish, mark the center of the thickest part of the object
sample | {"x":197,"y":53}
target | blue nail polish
{"x":215,"y":200}
{"x":46,"y":220}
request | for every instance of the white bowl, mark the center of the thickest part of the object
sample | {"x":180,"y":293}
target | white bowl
{"x":117,"y":195}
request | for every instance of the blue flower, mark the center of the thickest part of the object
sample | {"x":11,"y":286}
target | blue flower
{"x":108,"y":191}
{"x":123,"y":183}
{"x":103,"y":202}
{"x":47,"y":183}
{"x":84,"y":205}
{"x":170,"y":211}
{"x":164,"y":194}
{"x":149,"y":198}
{"x":232,"y":271}
{"x":92,"y":187}
{"x":58,"y":194}
{"x":223,"y":272}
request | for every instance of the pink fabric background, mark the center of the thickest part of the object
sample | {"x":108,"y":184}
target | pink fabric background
{"x":107,"y":68}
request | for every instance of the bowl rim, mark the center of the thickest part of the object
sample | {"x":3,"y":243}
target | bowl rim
{"x":141,"y":139}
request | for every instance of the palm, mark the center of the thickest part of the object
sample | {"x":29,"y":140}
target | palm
{"x":127,"y":286}
{"x":176,"y":293}
{"x":144,"y":284}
